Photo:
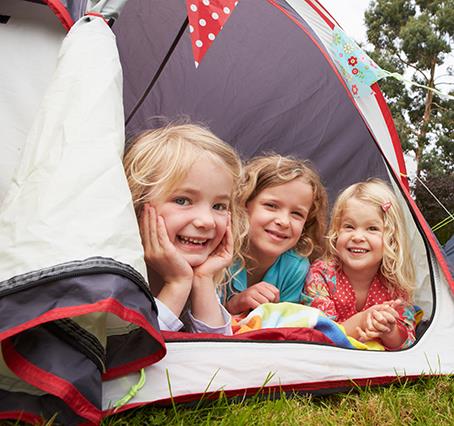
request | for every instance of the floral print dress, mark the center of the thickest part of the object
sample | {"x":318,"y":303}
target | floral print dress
{"x":327,"y":288}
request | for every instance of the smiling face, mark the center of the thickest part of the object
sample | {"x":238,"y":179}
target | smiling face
{"x":277,"y":216}
{"x":360,"y":238}
{"x":196,"y":210}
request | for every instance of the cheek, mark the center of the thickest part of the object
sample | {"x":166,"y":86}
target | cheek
{"x":221,"y":226}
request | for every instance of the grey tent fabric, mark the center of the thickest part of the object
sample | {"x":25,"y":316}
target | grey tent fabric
{"x":279,"y":93}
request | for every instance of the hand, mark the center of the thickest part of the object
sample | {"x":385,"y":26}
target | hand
{"x":160,"y":254}
{"x":378,"y":321}
{"x":253,"y":297}
{"x":220,"y":258}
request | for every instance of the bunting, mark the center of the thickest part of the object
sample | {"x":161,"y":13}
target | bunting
{"x":206,"y":20}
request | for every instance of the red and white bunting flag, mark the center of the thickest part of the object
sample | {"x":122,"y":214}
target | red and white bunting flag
{"x":206,"y":20}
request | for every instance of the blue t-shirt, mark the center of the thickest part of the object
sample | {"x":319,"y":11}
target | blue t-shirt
{"x":287,"y":273}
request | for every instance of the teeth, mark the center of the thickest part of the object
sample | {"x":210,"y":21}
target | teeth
{"x":358,"y":250}
{"x":189,"y":240}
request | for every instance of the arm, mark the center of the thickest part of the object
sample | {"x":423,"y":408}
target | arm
{"x":317,"y":292}
{"x":162,"y":258}
{"x":205,"y":305}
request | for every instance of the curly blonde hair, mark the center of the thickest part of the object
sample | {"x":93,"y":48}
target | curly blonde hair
{"x":397,"y":265}
{"x":156,"y":161}
{"x":272,"y":169}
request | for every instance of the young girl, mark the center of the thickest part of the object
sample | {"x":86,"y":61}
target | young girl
{"x":286,"y":205}
{"x":366,"y":280}
{"x":182,"y":179}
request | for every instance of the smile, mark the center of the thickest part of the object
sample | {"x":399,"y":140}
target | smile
{"x":276,"y":235}
{"x":192,"y":241}
{"x":358,"y":250}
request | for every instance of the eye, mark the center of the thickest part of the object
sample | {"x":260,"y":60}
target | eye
{"x":374,"y":228}
{"x":270,"y":205}
{"x":347,"y":226}
{"x":221,"y":206}
{"x":181,"y":201}
{"x":298,"y":214}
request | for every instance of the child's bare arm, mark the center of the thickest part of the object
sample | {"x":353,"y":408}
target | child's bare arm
{"x":162,"y":257}
{"x":205,"y":305}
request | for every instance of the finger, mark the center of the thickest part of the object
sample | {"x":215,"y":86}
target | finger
{"x":267,"y":293}
{"x":389,"y":318}
{"x":260,"y":298}
{"x":378,"y":326}
{"x":372,"y":334}
{"x":163,"y":236}
{"x":270,"y":287}
{"x":369,"y":320}
{"x":145,"y":231}
{"x":229,"y":237}
{"x":153,"y":228}
{"x":361,"y":334}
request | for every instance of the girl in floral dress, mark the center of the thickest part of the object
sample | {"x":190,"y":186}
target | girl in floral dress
{"x":366,"y":279}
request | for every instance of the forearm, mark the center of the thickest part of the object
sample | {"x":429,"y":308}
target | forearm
{"x":205,"y":305}
{"x":351,"y":325}
{"x":175,"y":296}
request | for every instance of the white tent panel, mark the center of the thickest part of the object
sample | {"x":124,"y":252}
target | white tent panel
{"x":74,"y":152}
{"x":29,"y":44}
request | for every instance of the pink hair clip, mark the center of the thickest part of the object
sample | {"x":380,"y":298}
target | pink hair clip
{"x":385,"y":206}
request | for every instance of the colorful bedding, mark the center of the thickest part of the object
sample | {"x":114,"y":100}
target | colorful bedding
{"x":293,"y":315}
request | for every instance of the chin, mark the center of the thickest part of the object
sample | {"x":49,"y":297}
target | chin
{"x":195,"y":260}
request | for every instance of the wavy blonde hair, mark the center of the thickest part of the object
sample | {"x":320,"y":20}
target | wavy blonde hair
{"x":272,"y":169}
{"x":397,"y":265}
{"x":157,"y":161}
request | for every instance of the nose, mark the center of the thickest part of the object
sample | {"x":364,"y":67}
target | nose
{"x":204,"y":218}
{"x":282,"y":219}
{"x":358,"y":235}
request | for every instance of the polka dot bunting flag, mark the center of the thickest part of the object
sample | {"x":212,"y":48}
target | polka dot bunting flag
{"x":206,"y":19}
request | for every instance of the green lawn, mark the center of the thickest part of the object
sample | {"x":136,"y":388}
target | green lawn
{"x":424,"y":402}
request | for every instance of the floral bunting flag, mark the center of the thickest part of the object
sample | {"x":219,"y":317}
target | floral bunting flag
{"x":358,"y":70}
{"x":206,"y":20}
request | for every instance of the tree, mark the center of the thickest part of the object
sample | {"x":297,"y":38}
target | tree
{"x":414,"y":37}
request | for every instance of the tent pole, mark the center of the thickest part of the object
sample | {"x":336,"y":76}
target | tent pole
{"x":159,"y":71}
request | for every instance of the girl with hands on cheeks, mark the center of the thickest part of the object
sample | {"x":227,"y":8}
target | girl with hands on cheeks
{"x":366,"y":279}
{"x":286,"y":205}
{"x":182,"y":179}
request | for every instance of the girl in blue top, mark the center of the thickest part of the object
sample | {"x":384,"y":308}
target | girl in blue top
{"x":286,"y":205}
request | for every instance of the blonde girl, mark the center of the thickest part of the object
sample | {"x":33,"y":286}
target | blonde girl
{"x":183,"y":179}
{"x":286,"y":205}
{"x":366,"y":280}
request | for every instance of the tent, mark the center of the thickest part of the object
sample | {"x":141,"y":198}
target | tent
{"x":74,"y":299}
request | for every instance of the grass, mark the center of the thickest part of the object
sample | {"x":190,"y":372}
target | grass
{"x":427,"y":401}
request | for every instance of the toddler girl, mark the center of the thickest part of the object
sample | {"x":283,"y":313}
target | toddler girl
{"x":366,"y":280}
{"x":182,"y":179}
{"x":286,"y":205}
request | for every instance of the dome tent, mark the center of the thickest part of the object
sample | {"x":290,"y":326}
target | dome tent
{"x":267,"y":82}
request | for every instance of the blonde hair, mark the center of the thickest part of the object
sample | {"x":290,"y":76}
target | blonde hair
{"x":158,"y":160}
{"x":397,"y":265}
{"x":272,"y":170}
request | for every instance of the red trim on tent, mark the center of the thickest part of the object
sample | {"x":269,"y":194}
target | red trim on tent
{"x":288,"y":334}
{"x":321,"y":14}
{"x":49,"y":383}
{"x":106,"y":305}
{"x":61,"y":12}
{"x":329,"y":14}
{"x":392,"y":132}
{"x":22,"y":417}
